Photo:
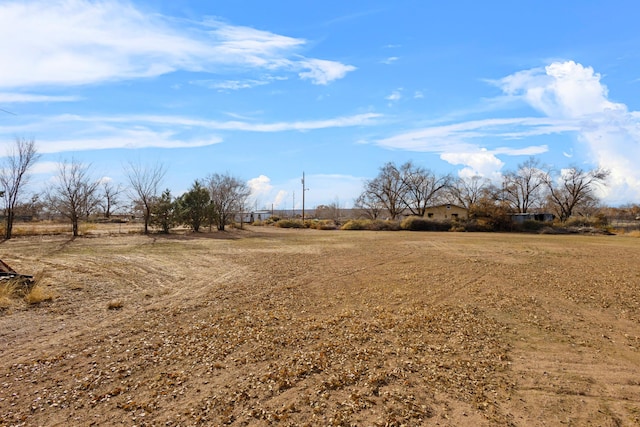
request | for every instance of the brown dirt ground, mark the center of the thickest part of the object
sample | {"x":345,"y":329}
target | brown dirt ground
{"x":303,"y":327}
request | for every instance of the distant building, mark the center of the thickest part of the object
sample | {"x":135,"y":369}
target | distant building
{"x":519,"y":218}
{"x":249,"y":217}
{"x":446,"y":212}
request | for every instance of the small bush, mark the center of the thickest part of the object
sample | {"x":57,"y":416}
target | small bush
{"x":416,"y":223}
{"x":323,"y":224}
{"x":8,"y":289}
{"x":271,"y":220}
{"x":583,"y":221}
{"x":372,"y":225}
{"x":37,"y":294}
{"x":289,"y":223}
{"x":31,"y":291}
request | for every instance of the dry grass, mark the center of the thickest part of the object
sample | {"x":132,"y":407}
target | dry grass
{"x":267,"y":326}
{"x":7,"y":291}
{"x":38,"y":294}
{"x":54,"y":228}
{"x":14,"y":290}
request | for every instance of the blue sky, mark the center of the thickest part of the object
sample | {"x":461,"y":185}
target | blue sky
{"x":267,"y":90}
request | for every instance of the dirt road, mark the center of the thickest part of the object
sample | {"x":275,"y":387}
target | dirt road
{"x":304,"y":327}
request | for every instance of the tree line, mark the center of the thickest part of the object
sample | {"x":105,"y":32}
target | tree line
{"x":398,"y":190}
{"x":75,"y":193}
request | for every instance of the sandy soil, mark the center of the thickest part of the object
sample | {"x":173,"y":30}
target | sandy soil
{"x":303,"y":327}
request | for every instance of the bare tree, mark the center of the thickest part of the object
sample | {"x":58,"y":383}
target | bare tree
{"x":388,"y":189}
{"x":574,"y":188}
{"x":422,"y":188}
{"x":145,"y":183}
{"x":228,"y":197}
{"x":109,"y":199}
{"x":14,"y":176}
{"x":369,"y":205}
{"x":73,"y":191}
{"x":331,"y":211}
{"x":523,"y":189}
{"x":467,"y":192}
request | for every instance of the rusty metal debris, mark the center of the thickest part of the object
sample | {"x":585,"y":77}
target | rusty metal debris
{"x":8,"y":273}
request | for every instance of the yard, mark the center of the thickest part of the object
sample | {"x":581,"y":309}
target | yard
{"x":270,"y":326}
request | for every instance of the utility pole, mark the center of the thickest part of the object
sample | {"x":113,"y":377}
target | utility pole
{"x":303,"y":191}
{"x":293,"y":208}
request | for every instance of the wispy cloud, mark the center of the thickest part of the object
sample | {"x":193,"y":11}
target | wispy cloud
{"x":126,"y":138}
{"x":227,"y":85}
{"x":390,"y":60}
{"x":461,"y":135}
{"x":80,"y":42}
{"x":321,"y":71}
{"x":12,"y":98}
{"x":395,"y":96}
{"x":144,"y":131}
{"x":236,"y":125}
{"x":456,"y":143}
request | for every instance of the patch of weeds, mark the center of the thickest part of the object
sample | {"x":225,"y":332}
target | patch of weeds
{"x":37,"y":294}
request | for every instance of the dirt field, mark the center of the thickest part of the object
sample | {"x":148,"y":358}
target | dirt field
{"x":304,"y":327}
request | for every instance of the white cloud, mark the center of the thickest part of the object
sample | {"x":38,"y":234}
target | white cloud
{"x":572,"y":99}
{"x":390,"y":60}
{"x":260,"y":185}
{"x":166,"y":121}
{"x":418,"y":95}
{"x":225,"y":85}
{"x":479,"y":163}
{"x":11,"y":98}
{"x":574,"y":93}
{"x":79,"y":42}
{"x":45,"y":168}
{"x":458,"y":136}
{"x":122,"y":138}
{"x":230,"y":84}
{"x":454,"y":142}
{"x":396,"y":95}
{"x":264,"y":195}
{"x":280,"y":197}
{"x":131,"y":131}
{"x":561,"y":90}
{"x":322,"y":72}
